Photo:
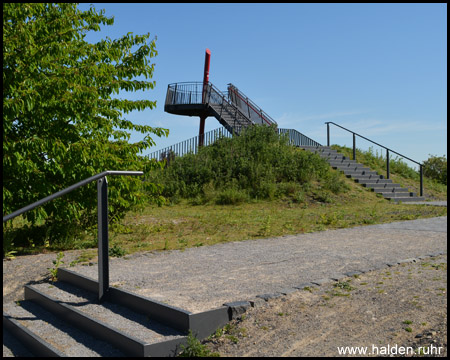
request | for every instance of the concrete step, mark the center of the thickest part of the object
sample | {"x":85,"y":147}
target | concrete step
{"x":343,"y":162}
{"x":358,"y":171}
{"x":131,"y":332}
{"x":373,"y":181}
{"x":394,"y":193}
{"x":49,"y":335}
{"x":381,"y":185}
{"x":407,"y":199}
{"x":133,"y":325}
{"x":330,"y":155}
{"x":365,"y":177}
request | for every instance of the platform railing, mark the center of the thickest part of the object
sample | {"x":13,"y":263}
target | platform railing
{"x":102,"y":210}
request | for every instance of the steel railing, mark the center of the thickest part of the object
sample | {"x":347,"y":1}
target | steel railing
{"x":184,"y":93}
{"x":388,"y":151}
{"x":189,"y":145}
{"x":240,"y":120}
{"x":102,"y":209}
{"x":196,"y":93}
{"x":243,"y":102}
{"x":295,"y":138}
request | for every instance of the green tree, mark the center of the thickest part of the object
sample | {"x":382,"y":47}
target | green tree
{"x":61,"y":121}
{"x":435,"y":167}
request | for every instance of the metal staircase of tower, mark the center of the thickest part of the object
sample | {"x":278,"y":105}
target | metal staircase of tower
{"x":232,"y":108}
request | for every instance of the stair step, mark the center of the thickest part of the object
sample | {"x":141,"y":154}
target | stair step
{"x":407,"y":199}
{"x":373,"y":181}
{"x":115,"y":315}
{"x":57,"y":335}
{"x":133,"y":333}
{"x":358,"y":171}
{"x":364,"y":177}
{"x":343,"y":162}
{"x":12,"y":347}
{"x":382,"y":185}
{"x":395,"y":194}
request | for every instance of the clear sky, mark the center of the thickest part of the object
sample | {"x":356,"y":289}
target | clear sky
{"x":377,"y":69}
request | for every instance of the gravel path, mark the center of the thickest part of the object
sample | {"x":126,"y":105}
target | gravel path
{"x":199,"y":279}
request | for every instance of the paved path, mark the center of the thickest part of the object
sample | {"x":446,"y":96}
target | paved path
{"x":199,"y":279}
{"x":434,"y":203}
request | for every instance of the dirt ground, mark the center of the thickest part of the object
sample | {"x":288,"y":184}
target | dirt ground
{"x":397,"y":311}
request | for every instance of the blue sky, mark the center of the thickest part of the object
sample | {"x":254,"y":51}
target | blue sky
{"x":377,"y":69}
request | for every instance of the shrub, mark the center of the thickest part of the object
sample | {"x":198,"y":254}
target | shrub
{"x":435,"y":167}
{"x":258,"y":164}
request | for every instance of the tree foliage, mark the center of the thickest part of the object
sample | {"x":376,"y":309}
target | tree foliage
{"x":62,"y":119}
{"x":435,"y":167}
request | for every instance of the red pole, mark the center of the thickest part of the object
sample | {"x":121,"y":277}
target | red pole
{"x":206,"y":73}
{"x":205,"y":87}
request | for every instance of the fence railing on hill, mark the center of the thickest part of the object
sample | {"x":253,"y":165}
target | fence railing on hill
{"x":295,"y":137}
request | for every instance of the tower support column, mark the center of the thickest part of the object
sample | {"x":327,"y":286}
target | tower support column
{"x":201,"y":132}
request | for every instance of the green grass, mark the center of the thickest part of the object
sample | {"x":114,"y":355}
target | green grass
{"x":183,"y":225}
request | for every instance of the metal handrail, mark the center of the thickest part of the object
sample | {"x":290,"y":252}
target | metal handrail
{"x":296,"y":138}
{"x":192,"y":93}
{"x":190,"y":145}
{"x":102,"y":209}
{"x":386,"y":148}
{"x":67,"y":190}
{"x":238,"y":114}
{"x":260,"y":112}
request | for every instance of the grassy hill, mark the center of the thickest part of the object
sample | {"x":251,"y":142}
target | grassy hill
{"x":251,"y":186}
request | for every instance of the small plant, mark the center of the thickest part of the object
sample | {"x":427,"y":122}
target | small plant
{"x":233,"y":339}
{"x":265,"y":229}
{"x":345,"y":285}
{"x":407,"y":322}
{"x":195,"y":348}
{"x":57,"y":263}
{"x":9,"y":255}
{"x":408,"y":329}
{"x":116,"y":251}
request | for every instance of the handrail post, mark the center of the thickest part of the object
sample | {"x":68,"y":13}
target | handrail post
{"x":387,"y":163}
{"x":103,"y":266}
{"x":354,"y":146}
{"x":421,"y":180}
{"x":328,"y":134}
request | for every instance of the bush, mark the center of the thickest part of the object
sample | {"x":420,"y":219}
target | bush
{"x":258,"y":164}
{"x":436,"y":168}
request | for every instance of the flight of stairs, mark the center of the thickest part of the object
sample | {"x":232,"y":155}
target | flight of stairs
{"x":65,"y":318}
{"x":364,"y":175}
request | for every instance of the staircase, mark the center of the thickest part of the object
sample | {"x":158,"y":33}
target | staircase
{"x":65,"y":318}
{"x":79,"y":316}
{"x":364,"y":175}
{"x":231,"y":108}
